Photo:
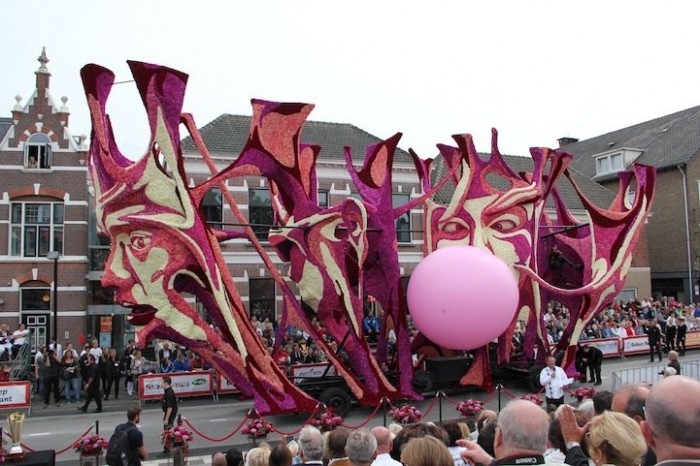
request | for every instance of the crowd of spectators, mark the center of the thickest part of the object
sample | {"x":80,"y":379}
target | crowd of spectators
{"x":636,"y":426}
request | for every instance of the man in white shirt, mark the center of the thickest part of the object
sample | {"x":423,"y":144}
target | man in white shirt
{"x":58,"y":349}
{"x":554,"y":380}
{"x":384,"y":445}
{"x":96,"y":350}
{"x":18,"y":338}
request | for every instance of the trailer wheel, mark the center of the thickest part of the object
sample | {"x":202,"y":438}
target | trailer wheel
{"x":337,"y":399}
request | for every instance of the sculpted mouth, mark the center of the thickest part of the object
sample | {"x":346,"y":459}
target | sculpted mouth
{"x":141,"y":314}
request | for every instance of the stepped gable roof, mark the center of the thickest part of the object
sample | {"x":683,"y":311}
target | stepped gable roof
{"x":665,"y":142}
{"x":5,"y":125}
{"x":227,"y":134}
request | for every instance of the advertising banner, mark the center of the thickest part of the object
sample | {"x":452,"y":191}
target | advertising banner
{"x":609,"y":346}
{"x":184,"y":383}
{"x":224,"y":386}
{"x":300,"y":372}
{"x":692,"y":339}
{"x":635,"y":345}
{"x":14,"y":395}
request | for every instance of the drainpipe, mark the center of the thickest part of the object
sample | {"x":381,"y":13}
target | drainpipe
{"x":687,"y":232}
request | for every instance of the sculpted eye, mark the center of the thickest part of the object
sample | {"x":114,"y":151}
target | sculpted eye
{"x":506,"y":224}
{"x":455,"y":229}
{"x":139,"y":240}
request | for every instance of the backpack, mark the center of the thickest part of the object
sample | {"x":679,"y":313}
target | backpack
{"x":118,"y":451}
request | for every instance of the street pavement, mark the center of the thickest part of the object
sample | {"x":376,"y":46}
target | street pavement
{"x":58,"y":427}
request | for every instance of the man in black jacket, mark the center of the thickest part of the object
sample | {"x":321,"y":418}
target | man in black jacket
{"x":590,"y":359}
{"x":654,"y":334}
{"x":92,"y":386}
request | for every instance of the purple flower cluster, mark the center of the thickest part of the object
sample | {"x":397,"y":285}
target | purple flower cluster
{"x":257,"y":428}
{"x":532,"y":397}
{"x":177,"y":435}
{"x":406,"y":414}
{"x":89,"y":444}
{"x":327,"y":421}
{"x":469,"y":407}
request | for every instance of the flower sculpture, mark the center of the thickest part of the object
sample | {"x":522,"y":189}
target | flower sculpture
{"x":327,"y":421}
{"x":90,"y":445}
{"x":406,"y":414}
{"x":176,"y":436}
{"x":469,"y":407}
{"x":532,"y":397}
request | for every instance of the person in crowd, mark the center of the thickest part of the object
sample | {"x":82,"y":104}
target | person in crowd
{"x":487,"y":435}
{"x":58,"y":349}
{"x":335,"y":450}
{"x":674,"y":362}
{"x":165,"y":352}
{"x":92,"y":385}
{"x":671,"y":426}
{"x":653,"y":331}
{"x":52,"y":369}
{"x":680,"y":335}
{"x":297,"y":356}
{"x":259,"y":456}
{"x":40,"y":370}
{"x":218,"y":458}
{"x":361,"y":447}
{"x":137,"y":449}
{"x":312,"y":446}
{"x":385,"y":443}
{"x":95,"y":350}
{"x":19,"y":336}
{"x":114,"y":374}
{"x":590,"y":359}
{"x":485,"y":416}
{"x":602,"y":401}
{"x":234,"y":457}
{"x":631,"y":400}
{"x":521,"y":436}
{"x":166,"y":365}
{"x":169,"y":403}
{"x":280,"y":455}
{"x":69,"y":348}
{"x":103,"y":365}
{"x":70,"y":375}
{"x":83,"y":363}
{"x":136,"y":369}
{"x":554,"y":380}
{"x":5,"y":373}
{"x":613,"y":438}
{"x":454,"y":433}
{"x":5,"y":344}
{"x":426,"y":451}
{"x":556,"y":450}
{"x":371,"y":326}
{"x":181,"y":363}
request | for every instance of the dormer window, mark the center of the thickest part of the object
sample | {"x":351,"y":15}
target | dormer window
{"x":37,"y":152}
{"x":609,"y":163}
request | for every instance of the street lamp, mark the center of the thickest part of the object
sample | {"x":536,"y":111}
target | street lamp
{"x":54,"y":255}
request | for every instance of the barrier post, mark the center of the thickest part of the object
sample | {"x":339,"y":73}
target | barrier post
{"x":97,"y":427}
{"x":440,"y":395}
{"x":498,"y":387}
{"x":384,"y":410}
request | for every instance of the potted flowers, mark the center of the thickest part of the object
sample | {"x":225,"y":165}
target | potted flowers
{"x":406,"y":414}
{"x":256,"y":429}
{"x":532,"y":397}
{"x":327,"y":421}
{"x":470,"y":407}
{"x":90,"y":447}
{"x":177,"y":439}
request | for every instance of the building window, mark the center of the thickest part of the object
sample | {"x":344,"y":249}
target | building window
{"x":260,"y":214}
{"x":37,"y":151}
{"x":403,"y":223}
{"x":98,"y":295}
{"x":36,"y":229}
{"x":610,"y":163}
{"x":627,"y":295}
{"x":323,"y":199}
{"x":212,"y":208}
{"x":262,"y":298}
{"x":36,"y":299}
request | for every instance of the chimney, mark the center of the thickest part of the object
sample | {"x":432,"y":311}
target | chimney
{"x":565,"y":141}
{"x":42,"y":81}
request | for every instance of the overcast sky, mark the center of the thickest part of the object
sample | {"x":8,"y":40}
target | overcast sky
{"x":536,"y":71}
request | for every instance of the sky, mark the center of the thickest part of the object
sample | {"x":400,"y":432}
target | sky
{"x":534,"y":70}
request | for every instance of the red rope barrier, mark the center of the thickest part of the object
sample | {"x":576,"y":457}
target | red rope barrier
{"x":507,"y":392}
{"x":296,"y":431}
{"x":211,"y":439}
{"x":430,"y":407}
{"x":59,"y":452}
{"x":369,"y":418}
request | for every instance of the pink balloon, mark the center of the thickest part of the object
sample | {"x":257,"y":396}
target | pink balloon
{"x":462,"y":297}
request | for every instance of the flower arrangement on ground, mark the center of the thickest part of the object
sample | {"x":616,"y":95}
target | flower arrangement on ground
{"x":257,"y":428}
{"x":469,"y":407}
{"x":327,"y":421}
{"x":90,"y":445}
{"x":532,"y":397}
{"x":584,"y":392}
{"x":406,"y":414}
{"x":175,"y":437}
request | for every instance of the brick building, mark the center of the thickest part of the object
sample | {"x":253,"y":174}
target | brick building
{"x":43,"y":208}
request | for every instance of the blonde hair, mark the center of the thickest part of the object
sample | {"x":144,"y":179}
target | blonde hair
{"x":618,"y":437}
{"x":426,"y":451}
{"x":259,"y":456}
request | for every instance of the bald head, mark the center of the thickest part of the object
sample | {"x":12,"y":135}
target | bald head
{"x":630,"y":400}
{"x":523,"y":428}
{"x":673,"y":410}
{"x":383,"y":436}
